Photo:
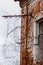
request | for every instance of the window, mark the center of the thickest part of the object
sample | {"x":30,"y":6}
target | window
{"x":38,"y":40}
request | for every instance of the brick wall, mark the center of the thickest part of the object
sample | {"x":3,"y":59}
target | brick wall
{"x":36,"y":8}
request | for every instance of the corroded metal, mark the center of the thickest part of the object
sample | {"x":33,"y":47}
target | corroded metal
{"x":30,"y":14}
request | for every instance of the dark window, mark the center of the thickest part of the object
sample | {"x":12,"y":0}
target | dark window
{"x":40,"y":38}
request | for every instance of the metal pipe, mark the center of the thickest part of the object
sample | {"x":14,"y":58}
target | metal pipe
{"x":30,"y":14}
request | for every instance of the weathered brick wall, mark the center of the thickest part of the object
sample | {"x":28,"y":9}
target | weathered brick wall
{"x":36,"y":8}
{"x":24,"y":53}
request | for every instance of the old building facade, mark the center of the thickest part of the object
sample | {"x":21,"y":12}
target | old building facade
{"x":31,"y":52}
